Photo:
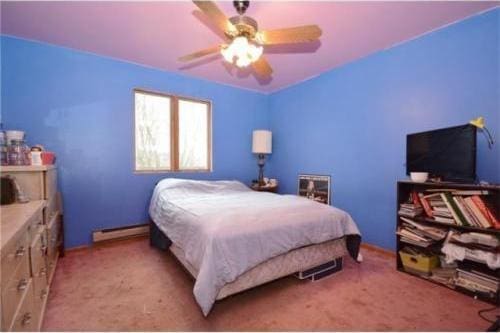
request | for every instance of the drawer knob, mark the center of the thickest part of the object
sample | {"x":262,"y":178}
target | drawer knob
{"x":43,"y":294}
{"x":23,"y":283}
{"x":43,"y":271}
{"x":26,"y":318}
{"x":20,"y":251}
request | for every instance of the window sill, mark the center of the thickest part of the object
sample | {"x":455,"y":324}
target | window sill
{"x":141,"y":172}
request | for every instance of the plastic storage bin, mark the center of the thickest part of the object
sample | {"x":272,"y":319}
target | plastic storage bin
{"x":421,"y":263}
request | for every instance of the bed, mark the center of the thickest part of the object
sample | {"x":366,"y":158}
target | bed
{"x":230,"y":238}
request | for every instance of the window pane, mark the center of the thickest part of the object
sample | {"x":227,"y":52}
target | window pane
{"x":193,"y":135}
{"x":152,"y":132}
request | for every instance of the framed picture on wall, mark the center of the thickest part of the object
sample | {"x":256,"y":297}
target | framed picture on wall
{"x":315,"y":187}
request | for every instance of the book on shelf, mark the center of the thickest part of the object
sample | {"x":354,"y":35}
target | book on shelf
{"x":410,"y":211}
{"x":433,"y":190}
{"x":415,"y":199}
{"x":477,"y":281}
{"x":425,"y":205}
{"x":469,"y":214}
{"x":482,"y":220}
{"x":465,"y":214}
{"x":444,"y":275}
{"x":446,"y":220}
{"x":476,"y":240}
{"x":471,"y":192}
{"x":414,"y":242}
{"x":434,"y":198}
{"x":454,"y":210}
{"x":486,"y":211}
{"x":467,"y":208}
{"x":413,"y":238}
{"x":435,"y":233}
{"x":412,"y":207}
{"x":455,"y":191}
{"x":480,"y":269}
{"x":442,"y":211}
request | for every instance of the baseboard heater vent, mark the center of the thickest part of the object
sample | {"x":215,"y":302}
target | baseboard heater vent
{"x":120,"y":233}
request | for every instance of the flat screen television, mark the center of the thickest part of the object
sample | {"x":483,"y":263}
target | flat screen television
{"x":449,"y":153}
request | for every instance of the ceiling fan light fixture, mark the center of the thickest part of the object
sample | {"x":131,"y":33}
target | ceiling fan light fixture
{"x":244,"y":52}
{"x":246,"y":40}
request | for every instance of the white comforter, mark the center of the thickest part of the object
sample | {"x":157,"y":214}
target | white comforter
{"x":225,"y":229}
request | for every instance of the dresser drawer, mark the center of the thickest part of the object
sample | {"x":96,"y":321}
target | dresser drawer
{"x":53,"y":237}
{"x":14,"y":254}
{"x":50,"y":209}
{"x":38,"y":252}
{"x":41,"y":292}
{"x":50,"y":183}
{"x":53,"y":241}
{"x":14,"y":290}
{"x":41,"y":286}
{"x":36,"y":225}
{"x":24,"y":319}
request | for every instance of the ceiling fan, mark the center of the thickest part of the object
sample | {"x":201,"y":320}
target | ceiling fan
{"x":245,"y":42}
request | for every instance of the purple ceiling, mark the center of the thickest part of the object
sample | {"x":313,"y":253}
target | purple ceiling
{"x":157,"y":33}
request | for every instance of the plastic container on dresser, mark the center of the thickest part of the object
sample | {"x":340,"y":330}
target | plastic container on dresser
{"x":462,"y":222}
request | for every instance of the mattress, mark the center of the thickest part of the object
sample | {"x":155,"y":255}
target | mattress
{"x":225,"y":229}
{"x":283,"y":265}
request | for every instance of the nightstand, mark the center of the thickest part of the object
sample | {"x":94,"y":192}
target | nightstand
{"x":264,"y":188}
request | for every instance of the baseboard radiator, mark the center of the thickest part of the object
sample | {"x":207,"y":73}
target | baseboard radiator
{"x":120,"y":233}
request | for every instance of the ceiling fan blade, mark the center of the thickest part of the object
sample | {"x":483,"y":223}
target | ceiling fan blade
{"x":262,"y":67}
{"x":302,"y":34}
{"x":200,"y":53}
{"x":215,"y":14}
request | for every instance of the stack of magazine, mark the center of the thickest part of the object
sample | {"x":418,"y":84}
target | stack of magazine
{"x":410,"y":209}
{"x":415,"y":233}
{"x":476,"y":281}
{"x":444,"y":275}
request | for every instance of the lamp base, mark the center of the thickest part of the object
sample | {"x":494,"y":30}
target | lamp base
{"x":262,"y":161}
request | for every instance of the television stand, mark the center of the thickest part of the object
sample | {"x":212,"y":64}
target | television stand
{"x":440,"y":180}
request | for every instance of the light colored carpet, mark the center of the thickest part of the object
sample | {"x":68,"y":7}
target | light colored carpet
{"x":128,"y":285}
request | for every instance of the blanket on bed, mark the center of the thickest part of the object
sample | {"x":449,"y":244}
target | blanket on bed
{"x":225,"y":229}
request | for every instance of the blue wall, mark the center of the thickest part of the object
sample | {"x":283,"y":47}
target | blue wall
{"x":80,"y":106}
{"x":351,"y":123}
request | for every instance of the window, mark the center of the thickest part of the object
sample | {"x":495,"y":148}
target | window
{"x":172,"y":133}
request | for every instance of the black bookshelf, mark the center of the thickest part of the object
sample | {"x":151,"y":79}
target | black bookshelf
{"x":404,"y":189}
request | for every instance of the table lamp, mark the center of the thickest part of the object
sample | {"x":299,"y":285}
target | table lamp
{"x":262,"y":145}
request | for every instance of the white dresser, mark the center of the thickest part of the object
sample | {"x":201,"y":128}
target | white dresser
{"x":31,"y":241}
